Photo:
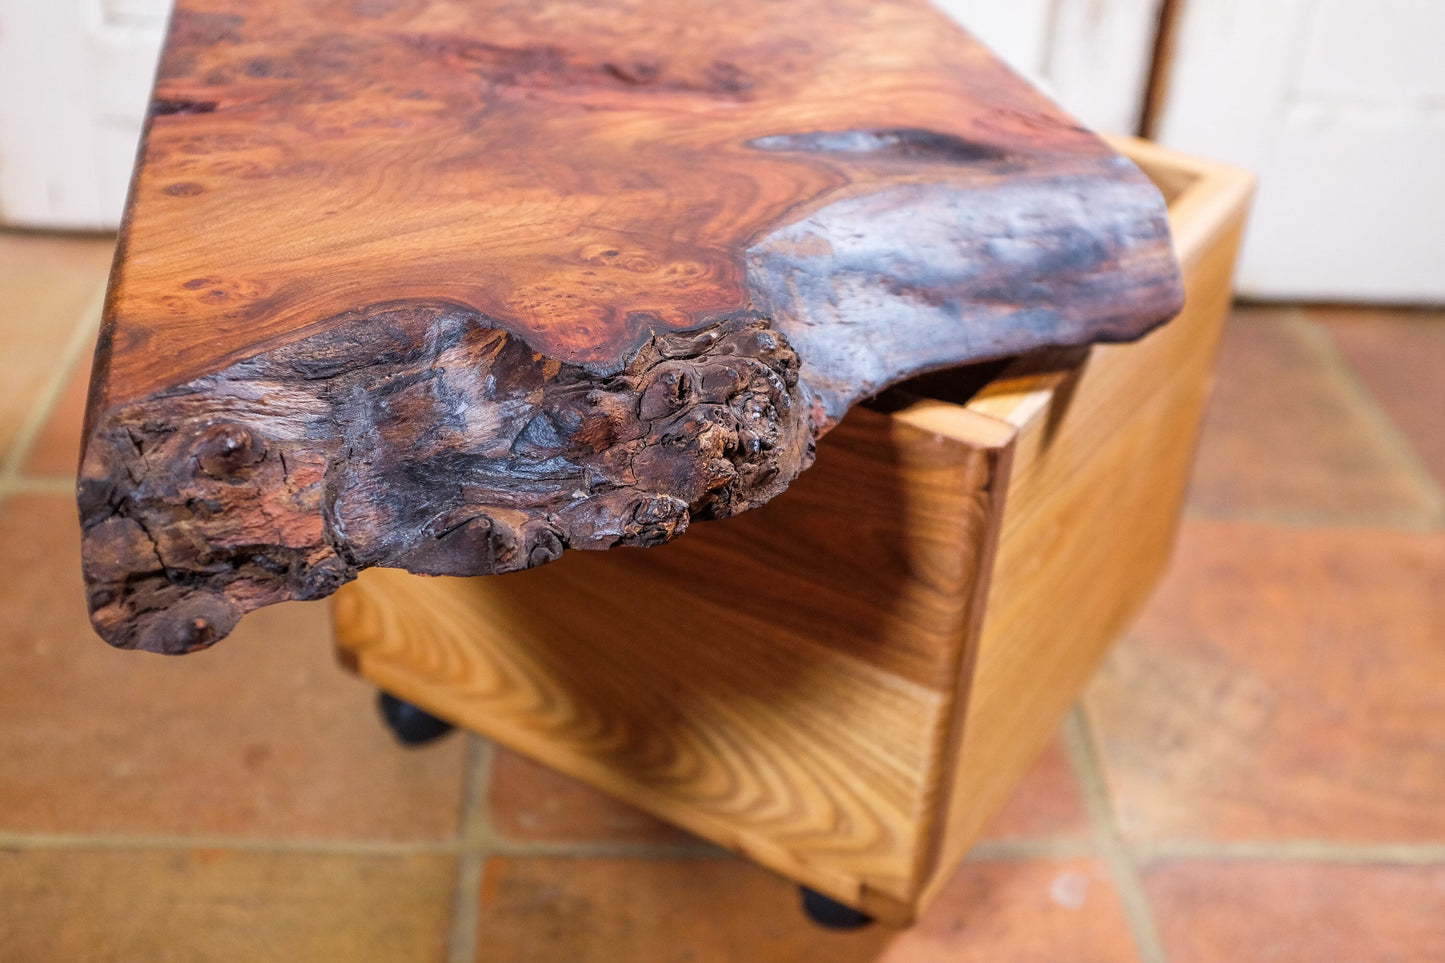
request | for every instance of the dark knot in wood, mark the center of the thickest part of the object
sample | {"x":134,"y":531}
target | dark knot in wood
{"x":224,"y":450}
{"x":447,"y":446}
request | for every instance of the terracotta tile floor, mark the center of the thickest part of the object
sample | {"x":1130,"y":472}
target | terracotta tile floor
{"x":1258,"y":773}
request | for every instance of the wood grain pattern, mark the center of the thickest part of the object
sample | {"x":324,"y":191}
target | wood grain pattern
{"x":866,"y":711}
{"x":717,"y":677}
{"x":509,"y":219}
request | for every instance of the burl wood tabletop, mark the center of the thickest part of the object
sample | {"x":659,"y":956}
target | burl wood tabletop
{"x":453,"y":285}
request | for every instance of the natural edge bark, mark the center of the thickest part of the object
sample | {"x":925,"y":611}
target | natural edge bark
{"x":420,"y":437}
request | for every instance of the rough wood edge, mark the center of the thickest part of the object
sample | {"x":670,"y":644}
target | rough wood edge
{"x":1205,"y":199}
{"x":445,"y":446}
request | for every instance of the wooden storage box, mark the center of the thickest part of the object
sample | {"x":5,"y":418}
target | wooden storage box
{"x":845,"y":684}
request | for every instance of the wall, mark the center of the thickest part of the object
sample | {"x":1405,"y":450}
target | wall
{"x":75,"y":76}
{"x":1092,"y":55}
{"x":1339,"y":107}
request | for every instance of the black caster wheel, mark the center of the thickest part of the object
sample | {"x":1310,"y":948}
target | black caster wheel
{"x":410,"y":725}
{"x":830,"y":913}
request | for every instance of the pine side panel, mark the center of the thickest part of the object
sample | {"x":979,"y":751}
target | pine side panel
{"x":1100,"y":470}
{"x":785,"y":684}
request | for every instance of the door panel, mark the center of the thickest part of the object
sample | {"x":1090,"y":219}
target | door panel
{"x":1336,"y":105}
{"x":75,"y":76}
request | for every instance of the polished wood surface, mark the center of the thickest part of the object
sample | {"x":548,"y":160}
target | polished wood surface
{"x":453,"y":285}
{"x":846,"y":684}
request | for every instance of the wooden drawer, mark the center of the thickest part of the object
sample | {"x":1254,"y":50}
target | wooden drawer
{"x":846,"y":684}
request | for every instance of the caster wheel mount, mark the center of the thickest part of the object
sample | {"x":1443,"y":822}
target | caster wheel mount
{"x":830,"y":913}
{"x":411,"y":726}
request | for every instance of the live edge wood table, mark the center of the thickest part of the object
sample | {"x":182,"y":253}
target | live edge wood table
{"x":449,"y":286}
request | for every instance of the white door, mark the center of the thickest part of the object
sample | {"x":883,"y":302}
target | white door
{"x":1093,"y":56}
{"x":75,"y":77}
{"x":1339,"y":107}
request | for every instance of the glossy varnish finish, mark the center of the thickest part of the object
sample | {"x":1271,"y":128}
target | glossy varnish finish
{"x":453,"y":286}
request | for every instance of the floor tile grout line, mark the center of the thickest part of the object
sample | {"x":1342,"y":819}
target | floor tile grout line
{"x":1413,"y":522}
{"x":562,"y":849}
{"x":477,"y":832}
{"x":1084,"y":757}
{"x":1025,"y":850}
{"x":15,"y":841}
{"x":1294,"y":850}
{"x":1319,"y":339}
{"x":1062,"y":847}
{"x":474,"y":840}
{"x":82,"y":335}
